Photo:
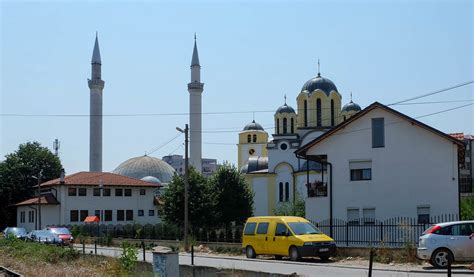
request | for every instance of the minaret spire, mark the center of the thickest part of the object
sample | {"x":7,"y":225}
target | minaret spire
{"x":319,"y":72}
{"x":195,"y":59}
{"x":96,"y":51}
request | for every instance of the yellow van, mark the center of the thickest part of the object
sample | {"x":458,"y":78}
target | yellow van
{"x":282,"y":236}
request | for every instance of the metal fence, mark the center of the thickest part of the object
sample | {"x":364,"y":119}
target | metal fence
{"x":393,"y":232}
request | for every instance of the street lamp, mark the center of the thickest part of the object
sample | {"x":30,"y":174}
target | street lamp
{"x":186,"y":184}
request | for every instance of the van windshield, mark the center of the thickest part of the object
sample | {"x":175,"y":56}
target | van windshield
{"x":303,"y":228}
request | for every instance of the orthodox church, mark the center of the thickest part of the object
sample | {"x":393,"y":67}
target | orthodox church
{"x":271,"y":166}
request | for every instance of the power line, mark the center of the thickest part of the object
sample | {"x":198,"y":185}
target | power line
{"x":436,"y":102}
{"x":164,"y":144}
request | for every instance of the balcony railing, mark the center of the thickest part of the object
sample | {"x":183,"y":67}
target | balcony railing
{"x":317,"y":189}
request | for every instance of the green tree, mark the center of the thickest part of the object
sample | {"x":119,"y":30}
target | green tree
{"x":16,"y":172}
{"x":467,"y":208}
{"x":287,"y":208}
{"x":232,"y":195}
{"x":200,"y":201}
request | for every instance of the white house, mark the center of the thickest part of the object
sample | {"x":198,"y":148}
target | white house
{"x":382,"y":164}
{"x":116,"y":199}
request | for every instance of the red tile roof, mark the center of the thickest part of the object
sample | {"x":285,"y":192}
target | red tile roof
{"x":95,"y":178}
{"x":47,"y":199}
{"x":459,"y":136}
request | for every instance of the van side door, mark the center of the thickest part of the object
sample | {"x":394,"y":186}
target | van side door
{"x":261,"y":237}
{"x":280,"y":242}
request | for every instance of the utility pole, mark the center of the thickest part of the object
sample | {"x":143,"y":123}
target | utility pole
{"x":186,"y":184}
{"x":39,"y":199}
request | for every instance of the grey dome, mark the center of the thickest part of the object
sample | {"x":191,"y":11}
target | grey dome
{"x":145,"y":166}
{"x":285,"y":109}
{"x":321,"y":83}
{"x":253,"y":126}
{"x":151,"y":179}
{"x":255,"y":163}
{"x":351,"y":106}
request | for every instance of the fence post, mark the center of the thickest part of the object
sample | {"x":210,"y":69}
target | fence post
{"x":192,"y":254}
{"x":143,"y":246}
{"x":83,"y":247}
{"x":95,"y":246}
{"x":347,"y":233}
{"x":381,"y":231}
{"x":449,"y":265}
{"x":370,"y":262}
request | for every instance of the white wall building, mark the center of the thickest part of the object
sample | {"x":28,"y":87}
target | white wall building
{"x":208,"y":166}
{"x":384,"y":165}
{"x":114,"y":198}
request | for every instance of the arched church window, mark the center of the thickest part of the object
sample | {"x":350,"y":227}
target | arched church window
{"x":278,"y":125}
{"x":285,"y":125}
{"x":332,"y":112}
{"x":305,"y":113}
{"x":287,"y":191}
{"x":318,"y":112}
{"x":249,"y":138}
{"x":280,"y":191}
{"x":292,"y":126}
{"x":254,"y":138}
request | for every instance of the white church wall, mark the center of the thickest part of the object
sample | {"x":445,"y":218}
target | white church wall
{"x":260,"y":189}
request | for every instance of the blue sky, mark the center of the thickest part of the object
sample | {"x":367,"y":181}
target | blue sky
{"x":251,"y":52}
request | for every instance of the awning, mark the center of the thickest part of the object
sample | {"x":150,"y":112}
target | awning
{"x":91,"y":219}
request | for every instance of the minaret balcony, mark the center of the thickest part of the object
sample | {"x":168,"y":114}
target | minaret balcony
{"x":196,"y":85}
{"x":96,"y":83}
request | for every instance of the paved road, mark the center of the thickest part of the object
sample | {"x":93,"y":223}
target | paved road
{"x":281,"y":267}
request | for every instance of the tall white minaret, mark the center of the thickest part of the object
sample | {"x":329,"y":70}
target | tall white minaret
{"x":195,"y":88}
{"x":96,"y":85}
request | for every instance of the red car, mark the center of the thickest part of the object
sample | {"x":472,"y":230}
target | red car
{"x":63,"y":233}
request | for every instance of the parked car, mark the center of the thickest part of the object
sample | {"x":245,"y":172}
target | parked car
{"x":282,"y":236}
{"x":449,"y":240}
{"x":45,"y":236}
{"x":18,"y":232}
{"x":63,"y":233}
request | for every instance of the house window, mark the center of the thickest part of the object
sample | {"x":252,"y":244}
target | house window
{"x":118,"y":192}
{"x":353,"y":216}
{"x":254,"y":138}
{"x":278,"y":125}
{"x":369,"y":216}
{"x":332,"y":112}
{"x":129,"y":215}
{"x":143,"y":191}
{"x":378,"y":132}
{"x":31,"y":216}
{"x":305,"y":113}
{"x":287,"y":191}
{"x":22,"y":217}
{"x":82,"y":192}
{"x":423,"y":214}
{"x":71,"y":191}
{"x":318,"y":112}
{"x":292,"y":126}
{"x":84,"y":214}
{"x":151,"y":212}
{"x":74,"y":216}
{"x":97,"y":213}
{"x":96,"y":191}
{"x":141,"y":212}
{"x":108,"y":215}
{"x":128,"y":192}
{"x":120,"y":215}
{"x":106,"y":192}
{"x":280,"y":190}
{"x":249,"y":138}
{"x":285,"y":125}
{"x":360,"y":170}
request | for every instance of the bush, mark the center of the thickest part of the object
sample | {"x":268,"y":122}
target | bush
{"x":212,"y":236}
{"x":128,"y":259}
{"x":467,"y":208}
{"x":229,"y":236}
{"x":237,"y":235}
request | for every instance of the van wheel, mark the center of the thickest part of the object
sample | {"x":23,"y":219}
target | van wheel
{"x":294,"y":254}
{"x":250,"y":252}
{"x":440,"y":257}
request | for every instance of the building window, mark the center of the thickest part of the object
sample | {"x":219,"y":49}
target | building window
{"x":332,"y":112}
{"x":423,"y":214}
{"x":31,"y":216}
{"x":108,"y":215}
{"x":317,"y":189}
{"x":369,"y":216}
{"x":118,"y":192}
{"x":84,"y":214}
{"x":141,"y":212}
{"x":254,"y":138}
{"x":74,"y":216}
{"x":22,"y":217}
{"x":106,"y":192}
{"x":278,"y":125}
{"x":353,"y":216}
{"x":283,"y":146}
{"x":129,"y":215}
{"x":292,"y":126}
{"x":285,"y":125}
{"x":318,"y":112}
{"x":305,"y":113}
{"x":287,"y":191}
{"x":360,"y":170}
{"x":120,"y":215}
{"x":128,"y":192}
{"x":82,"y":192}
{"x":96,"y":191}
{"x":97,"y":213}
{"x":71,"y":191}
{"x":249,"y":138}
{"x":143,"y":191}
{"x":378,"y":132}
{"x":151,"y":212}
{"x":280,"y":190}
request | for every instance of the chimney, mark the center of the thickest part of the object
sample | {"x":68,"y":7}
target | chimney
{"x":61,"y":177}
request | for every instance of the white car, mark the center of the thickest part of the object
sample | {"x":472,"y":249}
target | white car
{"x":449,"y":240}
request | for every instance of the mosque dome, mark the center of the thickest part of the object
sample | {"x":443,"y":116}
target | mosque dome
{"x":253,"y":126}
{"x":285,"y":109}
{"x":145,"y":167}
{"x":151,"y":179}
{"x":351,"y":106}
{"x":321,"y":83}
